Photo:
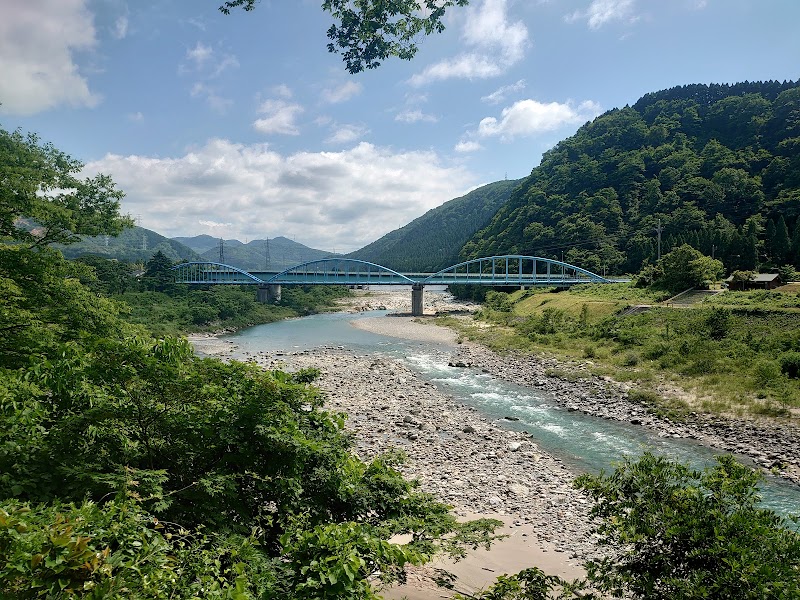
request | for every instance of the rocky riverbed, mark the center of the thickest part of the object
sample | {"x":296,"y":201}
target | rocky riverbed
{"x":474,"y":464}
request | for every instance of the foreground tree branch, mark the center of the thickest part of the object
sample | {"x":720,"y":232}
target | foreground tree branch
{"x":367,"y":32}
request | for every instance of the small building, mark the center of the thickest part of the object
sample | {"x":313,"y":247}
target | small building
{"x":759,"y":281}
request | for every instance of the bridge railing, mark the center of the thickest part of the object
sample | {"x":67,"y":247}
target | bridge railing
{"x":340,"y":271}
{"x":212,"y":273}
{"x":514,"y":269}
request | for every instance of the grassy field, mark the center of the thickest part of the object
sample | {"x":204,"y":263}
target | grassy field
{"x":736,"y":353}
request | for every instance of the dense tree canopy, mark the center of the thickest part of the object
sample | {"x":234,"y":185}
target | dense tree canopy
{"x":367,"y":32}
{"x":715,"y":166}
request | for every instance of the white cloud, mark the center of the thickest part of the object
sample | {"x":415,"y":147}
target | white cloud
{"x":136,"y":117}
{"x":342,"y":92}
{"x":341,"y":200}
{"x":500,"y":94}
{"x":279,"y":117}
{"x":465,"y":146}
{"x":530,"y":117}
{"x":197,"y":22}
{"x":206,"y":61}
{"x":214,"y":224}
{"x":120,"y":27}
{"x":226,"y":62}
{"x":496,"y":45}
{"x":602,"y":12}
{"x":199,"y":55}
{"x":216,"y":102}
{"x":345,"y":134}
{"x":282,"y":91}
{"x":37,"y":45}
{"x":415,"y":116}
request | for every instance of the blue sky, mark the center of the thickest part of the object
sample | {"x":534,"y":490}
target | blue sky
{"x":245,"y":126}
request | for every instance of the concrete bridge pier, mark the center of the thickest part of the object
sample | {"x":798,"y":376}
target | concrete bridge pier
{"x":269,"y":294}
{"x":416,"y":299}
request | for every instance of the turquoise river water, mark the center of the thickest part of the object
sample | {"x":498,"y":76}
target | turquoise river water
{"x":586,"y":443}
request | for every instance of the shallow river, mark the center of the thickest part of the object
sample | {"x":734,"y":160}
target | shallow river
{"x":585,"y":442}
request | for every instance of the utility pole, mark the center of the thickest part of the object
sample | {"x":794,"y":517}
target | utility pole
{"x":266,"y":254}
{"x":221,"y":250}
{"x":658,"y":230}
{"x":713,"y":249}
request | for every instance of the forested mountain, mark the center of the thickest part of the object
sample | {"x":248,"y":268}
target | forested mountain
{"x":134,"y":245}
{"x":201,"y":243}
{"x":432,"y":241}
{"x":276,"y":254}
{"x":717,"y":166}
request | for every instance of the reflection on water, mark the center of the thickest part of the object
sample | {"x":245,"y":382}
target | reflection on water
{"x":586,"y":443}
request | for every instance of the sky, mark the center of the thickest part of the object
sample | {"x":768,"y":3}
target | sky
{"x":244,"y":126}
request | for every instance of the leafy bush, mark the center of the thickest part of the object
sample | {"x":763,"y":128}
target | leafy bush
{"x":499,"y":301}
{"x":718,"y":322}
{"x":766,"y":372}
{"x":528,"y":584}
{"x":631,"y":359}
{"x":790,"y":364}
{"x":672,"y":532}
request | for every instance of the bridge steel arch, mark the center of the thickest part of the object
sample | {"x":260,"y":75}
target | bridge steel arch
{"x":503,"y":270}
{"x":213,"y":273}
{"x":340,"y":271}
{"x":514,"y":269}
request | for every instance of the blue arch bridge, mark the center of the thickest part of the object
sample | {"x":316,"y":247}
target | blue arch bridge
{"x":507,"y":270}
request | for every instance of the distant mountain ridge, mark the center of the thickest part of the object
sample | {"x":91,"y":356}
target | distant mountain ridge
{"x":275,"y":254}
{"x":133,"y":245}
{"x":433,"y":241}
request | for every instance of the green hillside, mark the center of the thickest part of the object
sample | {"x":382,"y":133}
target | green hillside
{"x":432,"y":241}
{"x":134,"y":245}
{"x":718,"y":166}
{"x":201,"y":243}
{"x":275,"y":254}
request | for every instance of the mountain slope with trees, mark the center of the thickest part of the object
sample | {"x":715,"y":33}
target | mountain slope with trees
{"x":274,"y":254}
{"x":715,"y":166}
{"x":432,"y":241}
{"x":133,"y":245}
